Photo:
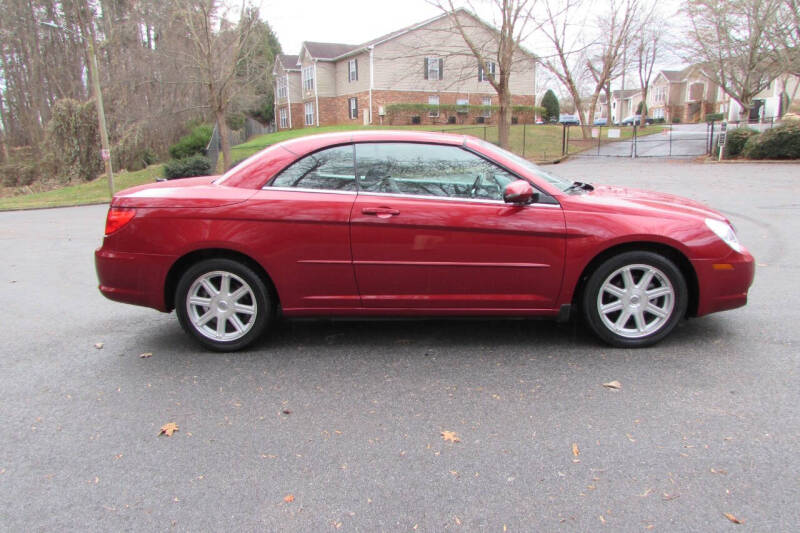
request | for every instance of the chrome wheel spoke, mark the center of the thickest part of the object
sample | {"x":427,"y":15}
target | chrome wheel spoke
{"x":622,"y":319}
{"x":208,"y":315}
{"x":614,"y":290}
{"x":657,"y":311}
{"x":646,"y":279}
{"x":627,"y":278}
{"x":244,"y":309}
{"x":611,"y":307}
{"x":199,"y":300}
{"x":658,"y":292}
{"x":210,"y":289}
{"x":638,"y":317}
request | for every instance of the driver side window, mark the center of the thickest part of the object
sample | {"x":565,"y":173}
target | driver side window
{"x":428,"y":170}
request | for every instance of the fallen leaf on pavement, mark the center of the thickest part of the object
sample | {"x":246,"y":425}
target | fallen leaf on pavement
{"x":667,"y":497}
{"x":289,"y":498}
{"x":732,"y":518}
{"x":616,"y":385}
{"x":450,"y":436}
{"x":168,"y":429}
{"x":146,"y":355}
{"x":98,"y":345}
{"x":575,"y":451}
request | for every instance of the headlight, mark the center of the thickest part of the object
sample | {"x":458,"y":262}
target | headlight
{"x":724,"y":231}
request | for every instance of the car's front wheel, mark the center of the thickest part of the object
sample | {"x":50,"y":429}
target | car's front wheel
{"x":635,"y":299}
{"x":223,"y":304}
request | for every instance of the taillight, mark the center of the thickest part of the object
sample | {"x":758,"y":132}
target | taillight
{"x":118,"y":217}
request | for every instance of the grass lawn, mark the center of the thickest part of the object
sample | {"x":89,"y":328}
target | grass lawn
{"x":93,"y":192}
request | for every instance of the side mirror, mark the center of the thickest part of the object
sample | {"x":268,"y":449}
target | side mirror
{"x":518,"y":192}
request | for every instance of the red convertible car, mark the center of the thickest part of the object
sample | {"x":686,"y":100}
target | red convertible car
{"x":392,"y":223}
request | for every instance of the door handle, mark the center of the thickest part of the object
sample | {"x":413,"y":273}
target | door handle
{"x":381,"y":212}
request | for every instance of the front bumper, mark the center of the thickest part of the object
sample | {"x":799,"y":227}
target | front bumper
{"x":133,"y":278}
{"x":723,"y":283}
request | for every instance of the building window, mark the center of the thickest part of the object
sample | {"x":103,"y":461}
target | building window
{"x":284,"y":119}
{"x":308,"y":78}
{"x":433,"y":101}
{"x":352,"y":104}
{"x":282,"y":90}
{"x":486,"y":102}
{"x":462,"y":105}
{"x":309,"y":107}
{"x":482,"y":75}
{"x":352,"y":70}
{"x":434,"y":68}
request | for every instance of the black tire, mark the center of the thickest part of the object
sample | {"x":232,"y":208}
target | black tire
{"x":643,"y":325}
{"x":231,"y":315}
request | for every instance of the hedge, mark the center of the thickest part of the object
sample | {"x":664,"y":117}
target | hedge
{"x":780,"y":142}
{"x":196,"y":165}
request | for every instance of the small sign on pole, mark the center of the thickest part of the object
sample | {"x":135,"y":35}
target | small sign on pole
{"x":105,"y":154}
{"x":613,"y":134}
{"x":723,"y":134}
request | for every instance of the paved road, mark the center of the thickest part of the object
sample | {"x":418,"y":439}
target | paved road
{"x":346,"y":417}
{"x":679,"y":140}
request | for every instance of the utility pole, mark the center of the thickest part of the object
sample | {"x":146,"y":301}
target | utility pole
{"x":101,"y":114}
{"x":101,"y":118}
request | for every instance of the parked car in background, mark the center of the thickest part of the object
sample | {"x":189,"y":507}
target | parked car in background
{"x":635,"y":119}
{"x":600,"y":122}
{"x":569,"y":120}
{"x":410,"y":224}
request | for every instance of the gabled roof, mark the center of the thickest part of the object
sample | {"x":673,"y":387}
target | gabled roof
{"x":623,"y":94}
{"x":328,"y":50}
{"x":288,"y":62}
{"x":335,"y":51}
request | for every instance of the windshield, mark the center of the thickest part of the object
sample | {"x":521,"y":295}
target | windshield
{"x":552,"y":179}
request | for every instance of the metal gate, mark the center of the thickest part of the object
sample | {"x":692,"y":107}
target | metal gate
{"x":657,"y":140}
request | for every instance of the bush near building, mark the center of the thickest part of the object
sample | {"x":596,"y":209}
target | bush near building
{"x":737,"y":139}
{"x":196,"y":165}
{"x":780,"y":142}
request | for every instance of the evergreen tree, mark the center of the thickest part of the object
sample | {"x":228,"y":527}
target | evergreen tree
{"x":550,"y":105}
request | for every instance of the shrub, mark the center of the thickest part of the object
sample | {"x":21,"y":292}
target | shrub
{"x":194,"y":143}
{"x":737,"y":139}
{"x":235,"y":121}
{"x":715,"y":117}
{"x":196,"y":165}
{"x":73,"y":140}
{"x":15,"y":174}
{"x":781,"y":142}
{"x":550,"y":105}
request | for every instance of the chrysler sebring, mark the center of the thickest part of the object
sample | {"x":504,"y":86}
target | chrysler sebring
{"x":411,"y":224}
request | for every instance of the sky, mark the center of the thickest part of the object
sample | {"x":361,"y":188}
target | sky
{"x":340,"y":21}
{"x":358,"y":21}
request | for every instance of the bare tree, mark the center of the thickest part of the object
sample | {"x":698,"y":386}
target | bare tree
{"x":502,"y":50}
{"x":616,"y":27}
{"x":218,"y":50}
{"x":647,"y":43}
{"x":732,"y":42}
{"x":568,"y":59}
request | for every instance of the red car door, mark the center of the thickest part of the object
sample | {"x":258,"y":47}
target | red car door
{"x":302,"y":234}
{"x":429,"y":230}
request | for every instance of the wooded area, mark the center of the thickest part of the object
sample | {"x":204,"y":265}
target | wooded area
{"x":161,"y":66}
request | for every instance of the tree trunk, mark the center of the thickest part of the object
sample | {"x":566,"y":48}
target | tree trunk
{"x":504,"y":120}
{"x":224,"y":140}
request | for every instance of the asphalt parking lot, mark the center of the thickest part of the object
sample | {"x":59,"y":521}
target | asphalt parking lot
{"x":337,"y":425}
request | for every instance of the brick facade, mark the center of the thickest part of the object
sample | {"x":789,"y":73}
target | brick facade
{"x":336,"y":109}
{"x":297,"y":115}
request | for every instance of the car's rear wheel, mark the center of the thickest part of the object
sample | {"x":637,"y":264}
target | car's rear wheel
{"x":223,"y":304}
{"x":635,"y":299}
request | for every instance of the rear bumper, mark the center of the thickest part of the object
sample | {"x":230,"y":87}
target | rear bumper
{"x":133,"y":278}
{"x":724,"y":282}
